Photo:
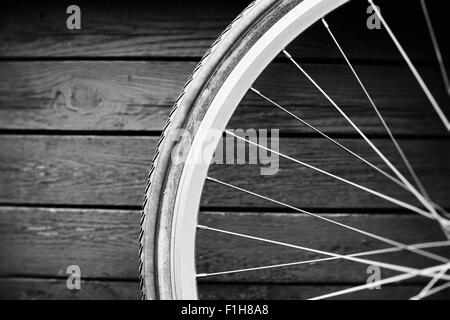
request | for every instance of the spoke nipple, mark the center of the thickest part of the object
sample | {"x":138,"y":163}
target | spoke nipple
{"x":227,"y":132}
{"x":325,"y":23}
{"x":255,"y":91}
{"x":201,"y":227}
{"x":287,"y":54}
{"x":202,"y":275}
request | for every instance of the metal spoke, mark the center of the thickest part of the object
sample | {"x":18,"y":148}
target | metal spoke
{"x":430,"y":284}
{"x":358,"y":130}
{"x":417,"y":272}
{"x":437,"y":289}
{"x":402,"y":277}
{"x":376,"y":193}
{"x":385,"y":125}
{"x":387,"y":175}
{"x":297,"y":263}
{"x":374,"y":236}
{"x":413,"y":69}
{"x":437,"y":50}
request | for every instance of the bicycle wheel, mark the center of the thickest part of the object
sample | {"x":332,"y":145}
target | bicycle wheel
{"x":195,"y":126}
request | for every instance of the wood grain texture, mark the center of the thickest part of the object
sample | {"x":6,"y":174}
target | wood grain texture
{"x":161,"y":29}
{"x":76,"y":169}
{"x":42,"y":289}
{"x":137,"y":96}
{"x":217,"y":252}
{"x":303,"y":187}
{"x":143,"y":29}
{"x":56,"y":289}
{"x":300,"y":292}
{"x":44,"y":242}
{"x":112,"y":171}
{"x":89,"y":95}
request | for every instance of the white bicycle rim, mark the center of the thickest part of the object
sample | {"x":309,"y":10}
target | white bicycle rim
{"x":184,"y":225}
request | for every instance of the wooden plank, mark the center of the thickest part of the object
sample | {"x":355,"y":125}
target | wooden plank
{"x":41,"y":289}
{"x":44,"y":242}
{"x":144,"y":29}
{"x":137,"y":96}
{"x":56,"y":289}
{"x":103,"y":243}
{"x":160,"y":29}
{"x":303,"y":187}
{"x":75,"y":169}
{"x":393,"y":89}
{"x":89,"y":95}
{"x":217,"y":252}
{"x":112,"y":171}
{"x":300,"y":292}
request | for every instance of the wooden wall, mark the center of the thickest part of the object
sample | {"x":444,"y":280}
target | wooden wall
{"x":81,"y":112}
